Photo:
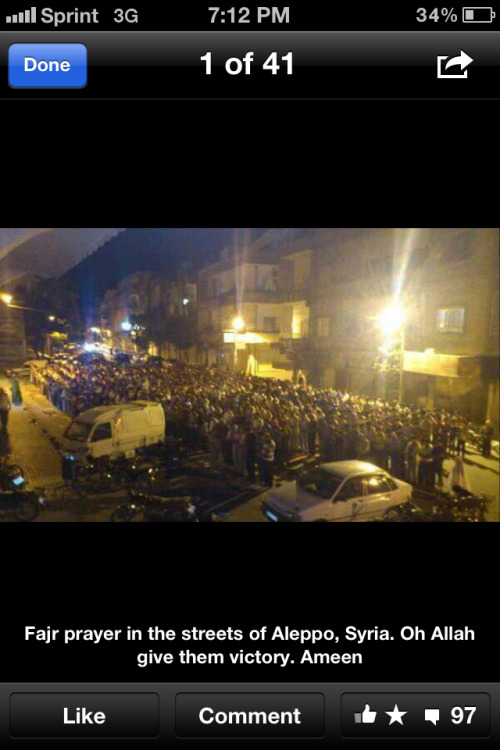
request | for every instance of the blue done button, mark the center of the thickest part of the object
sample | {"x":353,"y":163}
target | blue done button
{"x":47,"y":66}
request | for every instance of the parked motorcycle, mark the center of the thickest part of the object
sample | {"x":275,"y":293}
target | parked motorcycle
{"x":457,"y":506}
{"x":103,"y":476}
{"x":407,"y":513}
{"x":14,"y":496}
{"x":475,"y":439}
{"x":156,"y":509}
{"x":462,"y":504}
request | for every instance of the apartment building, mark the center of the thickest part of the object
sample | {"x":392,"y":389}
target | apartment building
{"x":12,"y":336}
{"x":166,"y":309}
{"x":445,"y":282}
{"x":254,"y":306}
{"x":309,"y":301}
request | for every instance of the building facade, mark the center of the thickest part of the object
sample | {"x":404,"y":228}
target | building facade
{"x":308,"y":303}
{"x":12,"y":336}
{"x":147,"y":306}
{"x":13,"y":339}
{"x":254,"y":306}
{"x":445,"y":282}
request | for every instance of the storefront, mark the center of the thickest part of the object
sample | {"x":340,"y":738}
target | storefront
{"x":467,"y":385}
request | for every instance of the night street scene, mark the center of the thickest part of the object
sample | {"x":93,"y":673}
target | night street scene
{"x":249,"y":375}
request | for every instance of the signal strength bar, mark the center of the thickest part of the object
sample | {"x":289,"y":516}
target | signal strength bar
{"x":28,"y":16}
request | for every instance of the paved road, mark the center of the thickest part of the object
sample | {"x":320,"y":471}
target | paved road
{"x":36,"y":428}
{"x":29,"y":442}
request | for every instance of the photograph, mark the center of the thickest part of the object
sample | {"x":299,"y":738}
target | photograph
{"x":231,"y":375}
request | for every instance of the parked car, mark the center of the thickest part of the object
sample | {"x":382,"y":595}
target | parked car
{"x":121,"y":357}
{"x":341,"y":491}
{"x":90,"y":358}
{"x":115,"y":430}
{"x":24,"y":371}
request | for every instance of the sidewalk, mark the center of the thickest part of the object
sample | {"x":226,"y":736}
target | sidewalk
{"x":484,"y":478}
{"x":34,"y":430}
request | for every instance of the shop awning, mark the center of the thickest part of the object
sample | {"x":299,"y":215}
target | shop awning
{"x":442,"y":365}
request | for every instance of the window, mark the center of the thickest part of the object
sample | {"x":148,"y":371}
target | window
{"x":352,"y":325}
{"x":156,"y":296}
{"x":102,"y":432}
{"x":78,"y":431}
{"x":323,"y":327}
{"x":319,"y":482}
{"x":494,"y":320}
{"x":270,"y":325}
{"x":392,"y":484}
{"x":419,"y":256}
{"x":451,"y":319}
{"x":377,"y":266}
{"x":457,"y":248}
{"x":377,"y":484}
{"x":351,"y":489}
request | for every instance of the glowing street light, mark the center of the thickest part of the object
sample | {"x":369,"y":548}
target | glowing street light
{"x":126,"y":326}
{"x":52,"y":318}
{"x":239,"y":327}
{"x":238,"y":324}
{"x":391,"y":322}
{"x":6,"y":298}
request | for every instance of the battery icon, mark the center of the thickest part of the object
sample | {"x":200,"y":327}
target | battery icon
{"x":478,"y":15}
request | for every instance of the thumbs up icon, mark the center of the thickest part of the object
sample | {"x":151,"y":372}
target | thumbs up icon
{"x":367,"y":717}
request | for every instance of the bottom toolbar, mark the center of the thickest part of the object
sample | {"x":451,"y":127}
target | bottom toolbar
{"x":199,"y":714}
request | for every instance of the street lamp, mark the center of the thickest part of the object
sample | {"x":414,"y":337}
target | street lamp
{"x":239,"y":324}
{"x":6,"y":298}
{"x":391,"y":322}
{"x":126,"y":326}
{"x":238,"y":327}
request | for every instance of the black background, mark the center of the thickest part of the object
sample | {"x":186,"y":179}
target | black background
{"x":248,"y":576}
{"x":402,"y":163}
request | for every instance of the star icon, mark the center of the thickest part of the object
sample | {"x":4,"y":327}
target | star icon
{"x":396,"y":715}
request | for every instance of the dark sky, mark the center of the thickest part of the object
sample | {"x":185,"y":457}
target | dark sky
{"x":160,"y":250}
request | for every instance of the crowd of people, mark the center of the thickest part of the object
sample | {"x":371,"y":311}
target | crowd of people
{"x":255,"y":425}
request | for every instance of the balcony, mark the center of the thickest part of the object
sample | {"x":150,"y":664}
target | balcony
{"x":252,"y":337}
{"x":296,"y":294}
{"x":245,"y":295}
{"x":298,"y":344}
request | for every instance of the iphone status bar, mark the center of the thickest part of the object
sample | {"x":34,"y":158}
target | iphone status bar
{"x":311,"y":16}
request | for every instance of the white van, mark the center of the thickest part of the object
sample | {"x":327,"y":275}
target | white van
{"x":115,"y":430}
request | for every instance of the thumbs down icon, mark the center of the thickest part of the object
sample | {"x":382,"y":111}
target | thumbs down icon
{"x":367,"y":717}
{"x":432,"y":715}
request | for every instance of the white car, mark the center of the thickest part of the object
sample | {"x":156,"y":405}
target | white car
{"x":341,"y":491}
{"x":25,"y":370}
